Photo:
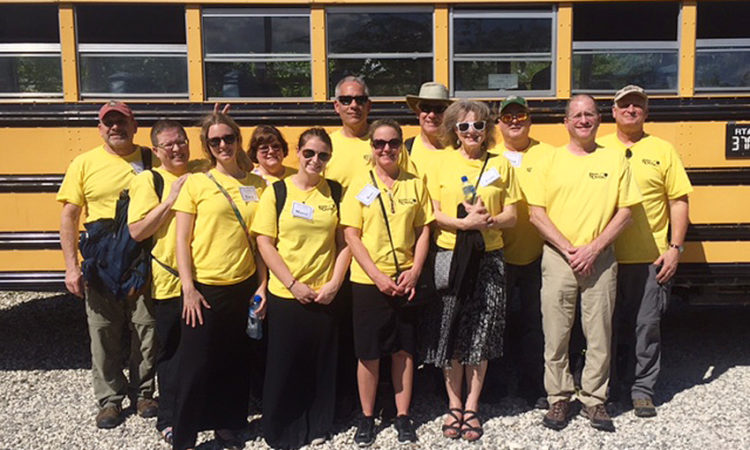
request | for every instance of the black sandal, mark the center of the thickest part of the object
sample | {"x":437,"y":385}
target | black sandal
{"x":453,"y":430}
{"x":466,"y":429}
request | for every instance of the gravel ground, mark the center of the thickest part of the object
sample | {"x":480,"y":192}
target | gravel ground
{"x":703,"y":397}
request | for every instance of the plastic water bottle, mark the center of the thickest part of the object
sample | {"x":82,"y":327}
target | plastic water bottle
{"x":470,"y":192}
{"x":254,"y":324}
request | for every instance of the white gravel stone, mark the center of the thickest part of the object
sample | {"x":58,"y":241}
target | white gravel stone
{"x":703,"y":397}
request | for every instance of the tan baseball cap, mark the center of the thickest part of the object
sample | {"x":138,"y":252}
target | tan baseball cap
{"x":630,"y":89}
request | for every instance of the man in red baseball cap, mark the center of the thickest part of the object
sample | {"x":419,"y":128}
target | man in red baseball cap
{"x":93,"y":183}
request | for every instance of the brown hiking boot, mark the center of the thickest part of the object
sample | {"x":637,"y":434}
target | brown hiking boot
{"x":644,"y":407}
{"x":557,"y":416}
{"x":599,"y":417}
{"x":147,"y":407}
{"x":108,"y":417}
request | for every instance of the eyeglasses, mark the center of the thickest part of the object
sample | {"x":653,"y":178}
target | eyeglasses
{"x":379,"y":144}
{"x":264,"y":149}
{"x":628,"y":153}
{"x":508,"y":118}
{"x":170,"y":145}
{"x":428,"y":108}
{"x":347,"y":99}
{"x":463,"y":127}
{"x":228,"y":139}
{"x":322,"y":156}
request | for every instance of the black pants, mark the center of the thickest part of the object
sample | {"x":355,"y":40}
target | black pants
{"x":167,"y":313}
{"x":214,"y":365}
{"x":300,"y":387}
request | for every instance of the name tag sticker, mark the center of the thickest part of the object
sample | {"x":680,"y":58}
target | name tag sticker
{"x":302,"y":210}
{"x":368,"y":194}
{"x":248,"y":193}
{"x":515,"y":158}
{"x":489,"y":177}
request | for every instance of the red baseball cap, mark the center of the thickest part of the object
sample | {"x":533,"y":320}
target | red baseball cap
{"x":114,"y":105}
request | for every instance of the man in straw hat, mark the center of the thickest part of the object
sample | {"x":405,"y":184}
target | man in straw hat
{"x":424,"y":149}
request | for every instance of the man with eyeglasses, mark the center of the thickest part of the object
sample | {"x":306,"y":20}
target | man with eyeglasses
{"x":647,"y":253}
{"x":351,"y":146}
{"x":580,"y":202}
{"x":150,"y":215}
{"x":425,"y":149}
{"x":523,"y":252}
{"x":93,"y":182}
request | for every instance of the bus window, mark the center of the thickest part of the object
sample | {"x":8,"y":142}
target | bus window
{"x":132,"y":50}
{"x":722,"y":48}
{"x":30,"y":64}
{"x":615,"y":44}
{"x":253,"y":52}
{"x":390,"y":48}
{"x":502,"y":51}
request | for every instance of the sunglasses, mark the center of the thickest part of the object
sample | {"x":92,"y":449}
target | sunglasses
{"x":508,"y":118}
{"x":322,"y":156}
{"x":229,"y":139}
{"x":432,"y":108}
{"x":380,"y":144}
{"x":463,"y":127}
{"x":628,"y":153}
{"x":265,"y":149}
{"x":347,"y":99}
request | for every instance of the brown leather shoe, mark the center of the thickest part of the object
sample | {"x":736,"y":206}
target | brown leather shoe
{"x":599,"y":417}
{"x":147,"y":407}
{"x":644,"y":407}
{"x":557,"y":416}
{"x":108,"y":417}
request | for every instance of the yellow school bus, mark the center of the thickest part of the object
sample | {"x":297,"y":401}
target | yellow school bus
{"x":277,"y":62}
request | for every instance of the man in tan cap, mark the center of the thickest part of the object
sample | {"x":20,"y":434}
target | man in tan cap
{"x":647,"y":255}
{"x":93,"y":182}
{"x":425,"y":148}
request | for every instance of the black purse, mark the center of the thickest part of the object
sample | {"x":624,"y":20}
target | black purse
{"x":424,"y":291}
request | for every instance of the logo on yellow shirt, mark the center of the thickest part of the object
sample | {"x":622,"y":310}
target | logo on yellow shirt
{"x":407,"y":201}
{"x":329,"y":207}
{"x":651,"y":162}
{"x":598,"y":175}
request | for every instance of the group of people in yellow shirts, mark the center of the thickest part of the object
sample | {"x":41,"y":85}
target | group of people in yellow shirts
{"x":338,"y":249}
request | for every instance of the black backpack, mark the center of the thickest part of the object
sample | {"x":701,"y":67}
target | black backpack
{"x":112,"y":260}
{"x":279,"y":189}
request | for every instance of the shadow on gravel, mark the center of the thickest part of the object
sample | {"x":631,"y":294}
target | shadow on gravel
{"x":45,"y":334}
{"x":699,"y":345}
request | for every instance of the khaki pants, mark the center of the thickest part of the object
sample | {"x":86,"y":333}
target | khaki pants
{"x":560,"y":289}
{"x":107,"y":319}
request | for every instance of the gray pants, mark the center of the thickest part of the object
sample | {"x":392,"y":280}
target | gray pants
{"x":108,"y":319}
{"x":641,"y":301}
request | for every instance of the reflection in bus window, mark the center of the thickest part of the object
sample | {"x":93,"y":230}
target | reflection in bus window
{"x":500,"y":51}
{"x":251,"y":52}
{"x":391,"y":49}
{"x":141,"y":51}
{"x":618,"y":43}
{"x":30,"y":63}
{"x":722,"y":48}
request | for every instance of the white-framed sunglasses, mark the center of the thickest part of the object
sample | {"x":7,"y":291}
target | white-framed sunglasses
{"x":463,"y":127}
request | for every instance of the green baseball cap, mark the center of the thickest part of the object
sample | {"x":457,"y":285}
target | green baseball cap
{"x":514,"y":100}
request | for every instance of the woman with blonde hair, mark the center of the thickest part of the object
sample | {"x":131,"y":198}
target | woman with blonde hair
{"x":220,"y":273}
{"x":473,"y":194}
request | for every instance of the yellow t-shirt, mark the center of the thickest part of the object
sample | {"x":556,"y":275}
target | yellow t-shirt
{"x":221,"y":253}
{"x":307,"y":246}
{"x":582,"y":192}
{"x":661,"y":177}
{"x":498,"y":189}
{"x":143,"y":199}
{"x":426,"y":160}
{"x":95,"y":179}
{"x":523,"y":244}
{"x":270,"y":179}
{"x":408,"y":207}
{"x":350,"y":156}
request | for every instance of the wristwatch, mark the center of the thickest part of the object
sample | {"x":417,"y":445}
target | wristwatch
{"x":679,"y":248}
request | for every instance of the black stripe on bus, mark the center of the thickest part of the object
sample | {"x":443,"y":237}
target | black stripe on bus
{"x":55,"y":114}
{"x":32,"y":281}
{"x":718,"y":232}
{"x":30,"y":183}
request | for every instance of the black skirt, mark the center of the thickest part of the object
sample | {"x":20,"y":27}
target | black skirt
{"x":213,"y":385}
{"x":299,"y":392}
{"x":381,"y":328}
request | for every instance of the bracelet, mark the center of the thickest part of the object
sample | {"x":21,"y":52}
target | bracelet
{"x":291,"y":284}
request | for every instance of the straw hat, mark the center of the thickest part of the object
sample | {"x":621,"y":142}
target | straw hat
{"x":430,"y":91}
